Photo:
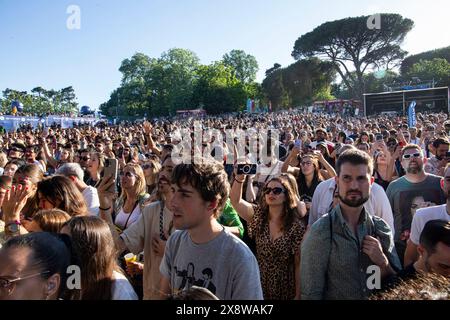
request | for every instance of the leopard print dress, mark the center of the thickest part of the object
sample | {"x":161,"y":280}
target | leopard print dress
{"x":276,"y":258}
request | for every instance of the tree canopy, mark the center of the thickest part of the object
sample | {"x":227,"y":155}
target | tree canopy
{"x":176,"y":80}
{"x":351,"y":46}
{"x":41,"y":101}
{"x":243,"y":65}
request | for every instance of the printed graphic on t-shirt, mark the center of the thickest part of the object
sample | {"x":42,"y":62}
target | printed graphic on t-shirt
{"x":188,"y":278}
{"x":410,"y":202}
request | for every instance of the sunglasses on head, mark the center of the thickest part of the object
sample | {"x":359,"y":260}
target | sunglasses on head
{"x":415,"y":155}
{"x":276,"y":191}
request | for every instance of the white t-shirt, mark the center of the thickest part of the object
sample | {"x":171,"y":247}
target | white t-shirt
{"x":90,"y":196}
{"x":377,"y":205}
{"x":122,"y":289}
{"x":424,"y":215}
{"x":124,"y":220}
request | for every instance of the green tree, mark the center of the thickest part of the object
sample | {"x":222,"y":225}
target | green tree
{"x":299,"y":83}
{"x":437,"y":69}
{"x":349,"y":42}
{"x":218,"y":90}
{"x":244,"y":65}
{"x":135,"y":68}
{"x":408,"y":62}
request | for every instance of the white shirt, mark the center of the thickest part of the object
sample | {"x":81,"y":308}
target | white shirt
{"x":122,"y":217}
{"x":424,"y":215}
{"x":90,"y":196}
{"x":378,"y":203}
{"x":121,"y":288}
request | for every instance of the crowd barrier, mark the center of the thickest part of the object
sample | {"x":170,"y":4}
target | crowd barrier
{"x":10,"y":123}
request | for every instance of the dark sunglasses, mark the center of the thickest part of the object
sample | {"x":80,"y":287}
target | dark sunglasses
{"x":415,"y":155}
{"x":128,"y":174}
{"x":16,"y":149}
{"x":276,"y":191}
{"x":147,"y":166}
{"x":85,"y":158}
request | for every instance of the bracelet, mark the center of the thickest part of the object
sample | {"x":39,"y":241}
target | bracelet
{"x":239,"y":181}
{"x":104,"y":209}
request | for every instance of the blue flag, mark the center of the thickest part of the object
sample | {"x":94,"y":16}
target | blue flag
{"x":412,"y":114}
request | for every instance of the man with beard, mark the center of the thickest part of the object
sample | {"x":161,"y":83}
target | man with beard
{"x":149,"y":233}
{"x":436,"y":164}
{"x":324,"y":198}
{"x":424,"y":215}
{"x":342,"y":248}
{"x":415,"y":181}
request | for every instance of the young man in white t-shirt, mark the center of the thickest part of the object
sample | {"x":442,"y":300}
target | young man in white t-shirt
{"x":201,"y":246}
{"x":422,"y":216}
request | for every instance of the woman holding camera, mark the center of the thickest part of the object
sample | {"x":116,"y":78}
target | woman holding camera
{"x":277,"y":229}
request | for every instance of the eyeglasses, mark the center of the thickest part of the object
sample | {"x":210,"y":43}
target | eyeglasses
{"x":147,"y":166}
{"x":276,"y":191}
{"x":127,"y":174}
{"x":414,"y":155}
{"x":8,"y":285}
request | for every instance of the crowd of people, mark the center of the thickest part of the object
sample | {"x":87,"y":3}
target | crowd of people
{"x":275,"y":206}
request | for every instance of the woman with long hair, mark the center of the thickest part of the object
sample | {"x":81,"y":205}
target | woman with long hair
{"x":151,"y":168}
{"x":383,"y":169}
{"x":308,"y":176}
{"x":29,"y":176}
{"x":61,"y":193}
{"x":101,"y":276}
{"x":95,"y":165}
{"x":278,"y":231}
{"x":129,"y":205}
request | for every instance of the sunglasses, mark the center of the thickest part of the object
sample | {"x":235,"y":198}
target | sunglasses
{"x":414,"y":155}
{"x":16,"y":149}
{"x":127,"y":174}
{"x":85,"y":158}
{"x":276,"y":191}
{"x":9,"y":284}
{"x":147,"y":166}
{"x":306,"y":163}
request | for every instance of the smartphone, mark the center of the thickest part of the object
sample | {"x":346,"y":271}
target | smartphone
{"x":110,"y":170}
{"x":298,"y":143}
{"x":379,"y":137}
{"x":447,"y":155}
{"x":246,"y":169}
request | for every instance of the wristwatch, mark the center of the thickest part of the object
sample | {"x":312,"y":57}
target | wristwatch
{"x":13,"y":227}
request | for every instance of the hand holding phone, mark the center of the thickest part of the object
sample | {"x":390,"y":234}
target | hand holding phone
{"x":110,"y":170}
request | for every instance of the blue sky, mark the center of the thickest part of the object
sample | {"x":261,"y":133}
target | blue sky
{"x":37,"y":49}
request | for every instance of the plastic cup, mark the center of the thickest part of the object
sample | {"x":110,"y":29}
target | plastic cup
{"x":129,"y":258}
